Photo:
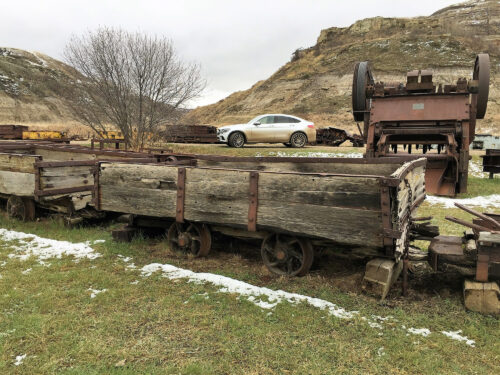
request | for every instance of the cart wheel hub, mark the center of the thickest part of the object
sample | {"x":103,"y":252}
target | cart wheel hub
{"x":280,"y":255}
{"x":184,"y":239}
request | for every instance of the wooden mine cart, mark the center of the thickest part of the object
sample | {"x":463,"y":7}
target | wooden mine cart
{"x":438,"y":120}
{"x":59,"y":178}
{"x":290,"y":204}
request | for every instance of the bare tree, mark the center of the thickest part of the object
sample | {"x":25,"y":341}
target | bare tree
{"x":133,"y":81}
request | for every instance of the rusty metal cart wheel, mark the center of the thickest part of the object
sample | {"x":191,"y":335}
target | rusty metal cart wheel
{"x":190,"y":238}
{"x":287,"y":255}
{"x":21,"y":208}
{"x":361,"y":79}
{"x":482,"y":74}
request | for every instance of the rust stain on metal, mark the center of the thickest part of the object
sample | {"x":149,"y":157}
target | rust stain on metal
{"x":96,"y":191}
{"x":181,"y":194}
{"x":385,"y":205}
{"x":253,"y":201}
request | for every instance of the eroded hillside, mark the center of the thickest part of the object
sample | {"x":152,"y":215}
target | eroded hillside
{"x":32,"y":87}
{"x":316,"y":83}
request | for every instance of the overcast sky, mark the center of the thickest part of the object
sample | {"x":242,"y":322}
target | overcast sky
{"x":237,"y":43}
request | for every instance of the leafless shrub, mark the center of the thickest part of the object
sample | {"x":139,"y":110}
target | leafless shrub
{"x":133,"y":81}
{"x":296,"y":54}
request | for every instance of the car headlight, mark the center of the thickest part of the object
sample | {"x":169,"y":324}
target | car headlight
{"x":222,"y":131}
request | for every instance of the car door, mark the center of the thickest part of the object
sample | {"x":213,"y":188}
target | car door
{"x":283,"y":128}
{"x":264,"y":132}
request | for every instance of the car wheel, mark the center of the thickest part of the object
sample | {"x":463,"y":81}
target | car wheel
{"x":298,"y":139}
{"x":288,"y":144}
{"x":236,"y":139}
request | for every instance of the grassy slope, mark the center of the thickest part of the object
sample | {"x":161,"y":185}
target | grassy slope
{"x":160,"y":326}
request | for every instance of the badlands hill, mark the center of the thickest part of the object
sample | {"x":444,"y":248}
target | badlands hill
{"x":32,"y":87}
{"x":316,"y":83}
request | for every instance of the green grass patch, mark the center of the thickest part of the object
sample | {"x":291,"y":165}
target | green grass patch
{"x":159,"y":326}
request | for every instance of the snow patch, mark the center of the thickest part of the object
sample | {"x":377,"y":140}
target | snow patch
{"x":28,"y":245}
{"x":476,"y":170}
{"x":456,"y":335}
{"x":486,"y":201}
{"x":253,"y":293}
{"x":95,"y":292}
{"x":25,"y":272}
{"x":19,"y":359}
{"x":375,"y":325}
{"x":420,"y":331}
{"x":305,"y":154}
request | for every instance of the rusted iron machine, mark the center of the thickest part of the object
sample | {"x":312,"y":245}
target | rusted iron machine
{"x":475,"y":255}
{"x":331,"y":136}
{"x":436,"y":120}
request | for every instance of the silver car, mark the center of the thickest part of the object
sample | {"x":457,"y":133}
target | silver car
{"x":290,"y":130}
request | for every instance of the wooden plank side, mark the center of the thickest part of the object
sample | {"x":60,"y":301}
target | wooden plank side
{"x":138,"y":189}
{"x":66,"y":171}
{"x":17,"y":183}
{"x":283,"y":208}
{"x":217,"y":196}
{"x":54,"y":155}
{"x":147,"y":176}
{"x":356,"y":192}
{"x":372,"y":169}
{"x":138,"y":200}
{"x":17,"y":163}
{"x":61,"y":182}
{"x":66,"y":177}
{"x":325,"y":191}
{"x":343,"y":225}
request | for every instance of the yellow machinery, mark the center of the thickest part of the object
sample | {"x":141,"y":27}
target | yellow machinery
{"x":48,"y":134}
{"x":111,"y":135}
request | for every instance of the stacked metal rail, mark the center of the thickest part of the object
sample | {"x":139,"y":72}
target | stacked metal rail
{"x":190,"y":134}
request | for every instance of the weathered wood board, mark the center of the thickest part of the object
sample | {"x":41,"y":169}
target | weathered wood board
{"x":17,"y":183}
{"x":304,"y":167}
{"x":66,"y":177}
{"x":17,"y":162}
{"x":54,"y":155}
{"x":139,"y":189}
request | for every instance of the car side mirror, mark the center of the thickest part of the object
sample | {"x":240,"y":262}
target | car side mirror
{"x":257,"y":123}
